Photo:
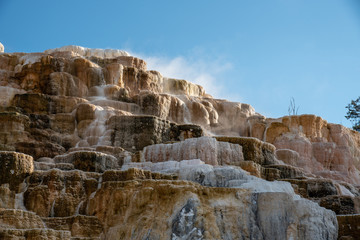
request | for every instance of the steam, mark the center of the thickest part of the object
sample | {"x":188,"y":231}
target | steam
{"x":206,"y":73}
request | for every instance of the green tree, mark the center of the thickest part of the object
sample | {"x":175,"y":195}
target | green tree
{"x":353,"y":113}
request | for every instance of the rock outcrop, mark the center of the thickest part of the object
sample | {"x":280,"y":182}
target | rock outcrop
{"x":307,"y":141}
{"x":14,"y":168}
{"x":95,"y":146}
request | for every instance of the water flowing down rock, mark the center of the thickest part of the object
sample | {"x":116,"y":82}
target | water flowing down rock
{"x":93,"y":145}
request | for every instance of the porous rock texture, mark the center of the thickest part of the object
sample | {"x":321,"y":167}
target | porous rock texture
{"x":324,"y":149}
{"x":95,"y":146}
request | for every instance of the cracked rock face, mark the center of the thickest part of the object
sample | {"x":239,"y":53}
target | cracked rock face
{"x":183,"y":225}
{"x":93,"y":145}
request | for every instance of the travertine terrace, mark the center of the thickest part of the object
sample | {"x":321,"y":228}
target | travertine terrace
{"x":96,"y":146}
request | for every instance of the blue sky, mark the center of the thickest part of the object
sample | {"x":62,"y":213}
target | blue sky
{"x":259,"y":52}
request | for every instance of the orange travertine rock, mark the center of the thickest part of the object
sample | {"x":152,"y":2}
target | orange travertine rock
{"x":324,"y":149}
{"x":95,"y":146}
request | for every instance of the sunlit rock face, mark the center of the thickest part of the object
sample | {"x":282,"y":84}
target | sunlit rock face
{"x":205,"y":148}
{"x":2,"y":49}
{"x":90,"y":52}
{"x":307,"y":141}
{"x":93,"y":145}
{"x":92,"y":204}
{"x":259,"y":201}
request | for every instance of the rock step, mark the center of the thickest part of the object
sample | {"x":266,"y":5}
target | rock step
{"x":273,"y":172}
{"x":80,"y":226}
{"x":47,"y":166}
{"x":14,"y":167}
{"x":277,"y":171}
{"x":72,"y":189}
{"x":315,"y":188}
{"x":89,"y":161}
{"x":134,"y":174}
{"x":35,"y":233}
{"x":341,"y":205}
{"x":217,"y":152}
{"x":76,"y":149}
{"x":20,"y":219}
{"x":253,"y":149}
{"x":133,"y":133}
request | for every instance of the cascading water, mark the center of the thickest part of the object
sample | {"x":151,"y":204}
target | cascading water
{"x":78,"y":208}
{"x":52,"y":211}
{"x":94,"y":133}
{"x":99,"y":183}
{"x":97,"y":128}
{"x":92,"y":195}
{"x":7,"y":94}
{"x":19,"y":197}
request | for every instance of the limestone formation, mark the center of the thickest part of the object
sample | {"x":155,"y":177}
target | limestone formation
{"x":14,"y":168}
{"x":206,"y":149}
{"x":82,"y":227}
{"x":89,"y":161}
{"x":254,"y":149}
{"x":133,"y":133}
{"x":14,"y":218}
{"x":342,"y":205}
{"x":274,"y":199}
{"x":35,"y":233}
{"x":90,"y":52}
{"x":95,"y":146}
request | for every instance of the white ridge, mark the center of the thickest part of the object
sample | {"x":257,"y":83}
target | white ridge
{"x":90,"y":52}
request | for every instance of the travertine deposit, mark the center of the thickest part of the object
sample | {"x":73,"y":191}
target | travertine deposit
{"x":93,"y":145}
{"x":324,"y":149}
